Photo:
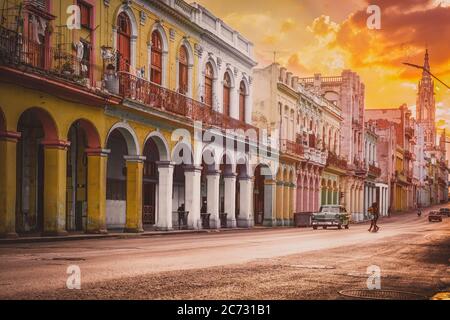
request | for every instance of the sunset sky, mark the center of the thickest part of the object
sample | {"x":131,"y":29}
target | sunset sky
{"x":326,"y":36}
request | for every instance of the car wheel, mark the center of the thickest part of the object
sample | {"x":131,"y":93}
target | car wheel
{"x":315,"y":228}
{"x":339,"y":227}
{"x":346,"y":226}
{"x":324,"y":227}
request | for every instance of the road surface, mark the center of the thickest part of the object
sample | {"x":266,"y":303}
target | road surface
{"x":279,"y":263}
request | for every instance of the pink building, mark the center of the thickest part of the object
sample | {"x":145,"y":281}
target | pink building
{"x":347,"y":92}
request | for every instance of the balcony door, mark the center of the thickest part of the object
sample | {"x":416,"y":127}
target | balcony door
{"x":242,"y":94}
{"x":124,"y":42}
{"x":226,"y":94}
{"x":183,"y":71}
{"x":209,"y":78}
{"x":156,"y":60}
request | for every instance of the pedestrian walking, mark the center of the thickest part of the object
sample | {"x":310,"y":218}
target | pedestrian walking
{"x":389,"y":211}
{"x":375,"y":215}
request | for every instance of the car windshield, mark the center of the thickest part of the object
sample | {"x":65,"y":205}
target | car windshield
{"x":330,"y":209}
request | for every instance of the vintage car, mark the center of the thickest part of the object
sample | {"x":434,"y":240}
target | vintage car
{"x":434,"y":216}
{"x":445,"y":211}
{"x":330,"y":216}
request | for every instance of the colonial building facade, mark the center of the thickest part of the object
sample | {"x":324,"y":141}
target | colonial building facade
{"x":347,"y":92}
{"x":109,"y":125}
{"x":282,"y":105}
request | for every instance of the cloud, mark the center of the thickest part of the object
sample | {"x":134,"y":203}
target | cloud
{"x":323,"y":26}
{"x":287,"y":25}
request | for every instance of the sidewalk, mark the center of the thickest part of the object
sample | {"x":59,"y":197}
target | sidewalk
{"x":117,"y":235}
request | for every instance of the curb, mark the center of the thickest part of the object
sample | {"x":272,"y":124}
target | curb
{"x":120,"y":235}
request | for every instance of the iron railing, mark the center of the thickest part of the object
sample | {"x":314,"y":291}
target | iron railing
{"x":158,"y":97}
{"x":334,"y":160}
{"x":291,"y":147}
{"x":17,"y":50}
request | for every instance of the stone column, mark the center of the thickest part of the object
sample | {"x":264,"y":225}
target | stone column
{"x":280,"y":200}
{"x":8,"y":147}
{"x":366,"y":199}
{"x":230,"y":199}
{"x":374,"y":195}
{"x":55,"y":170}
{"x":212,"y":200}
{"x":165,"y":186}
{"x":299,"y":196}
{"x":305,"y":198}
{"x":293,"y":203}
{"x":192,"y":195}
{"x":311,"y":196}
{"x":96,"y":190}
{"x":317,"y":198}
{"x":270,"y":195}
{"x":347,"y":195}
{"x":135,"y":167}
{"x":286,"y":203}
{"x":245,"y":219}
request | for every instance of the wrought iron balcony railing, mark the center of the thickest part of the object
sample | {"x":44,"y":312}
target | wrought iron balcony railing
{"x":374,"y":170}
{"x":155,"y":96}
{"x":20,"y":52}
{"x":291,"y":147}
{"x":336,"y":161}
{"x":409,"y":131}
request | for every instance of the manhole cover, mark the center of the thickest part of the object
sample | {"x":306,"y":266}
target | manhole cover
{"x":381,"y":294}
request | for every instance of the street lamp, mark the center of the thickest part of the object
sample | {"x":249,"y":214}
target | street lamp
{"x":427,"y":71}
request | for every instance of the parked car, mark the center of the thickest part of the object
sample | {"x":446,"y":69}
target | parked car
{"x":331,"y":216}
{"x":435,"y":216}
{"x":445,"y":211}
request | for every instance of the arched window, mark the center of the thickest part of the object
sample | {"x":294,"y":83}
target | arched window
{"x":335,"y":143}
{"x":183,"y":70}
{"x":292,"y":126}
{"x":123,"y":42}
{"x":226,"y":93}
{"x":242,"y":95}
{"x":330,"y":137}
{"x":156,"y":61}
{"x":209,"y":78}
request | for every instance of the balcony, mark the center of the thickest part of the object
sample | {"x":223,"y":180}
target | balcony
{"x":374,"y":171}
{"x":356,"y":123}
{"x":21,"y":53}
{"x":157,"y":97}
{"x":409,"y":155}
{"x":409,"y":132}
{"x":291,"y":147}
{"x":360,"y":168}
{"x":315,"y":155}
{"x":336,"y":161}
{"x":401,"y":176}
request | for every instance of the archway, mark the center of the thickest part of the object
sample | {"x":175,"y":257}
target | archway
{"x":155,"y":150}
{"x":261,"y":174}
{"x":83,"y":136}
{"x":122,"y":143}
{"x":182,"y":194}
{"x":37,"y":128}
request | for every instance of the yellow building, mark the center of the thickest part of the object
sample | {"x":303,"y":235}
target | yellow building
{"x":89,"y":106}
